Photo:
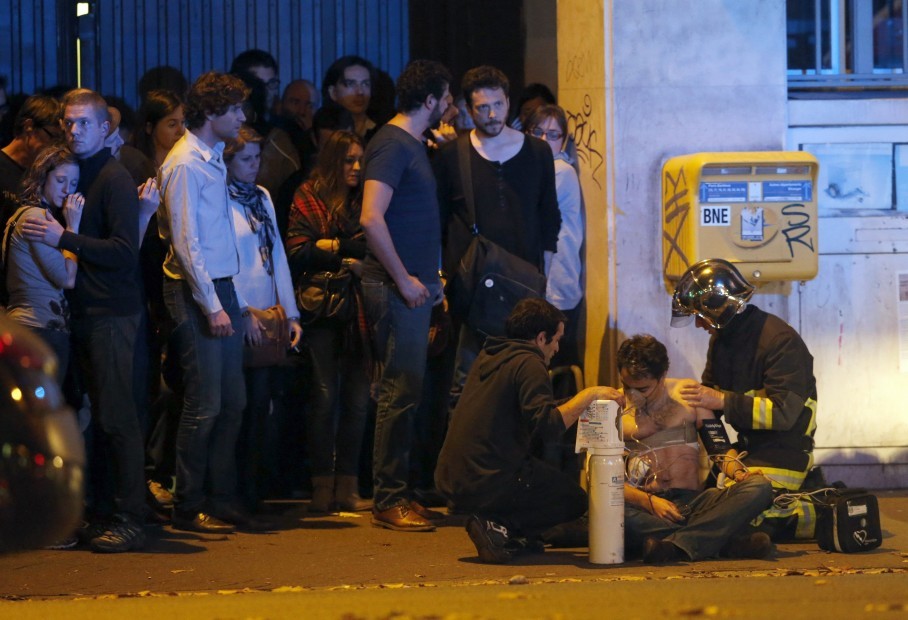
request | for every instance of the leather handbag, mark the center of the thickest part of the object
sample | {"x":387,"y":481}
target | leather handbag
{"x":489,"y":280}
{"x":275,"y":339}
{"x":326,"y":295}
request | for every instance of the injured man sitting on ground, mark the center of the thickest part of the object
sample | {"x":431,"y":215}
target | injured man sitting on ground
{"x":668,"y":515}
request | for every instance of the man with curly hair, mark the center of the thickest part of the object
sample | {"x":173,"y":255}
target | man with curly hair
{"x":210,"y":318}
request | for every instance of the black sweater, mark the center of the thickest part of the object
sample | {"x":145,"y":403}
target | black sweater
{"x":107,"y":282}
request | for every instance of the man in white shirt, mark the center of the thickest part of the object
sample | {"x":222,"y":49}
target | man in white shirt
{"x":196,"y":226}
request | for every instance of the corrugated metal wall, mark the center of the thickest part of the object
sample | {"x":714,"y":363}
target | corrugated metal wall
{"x":30,"y":37}
{"x":121,"y":39}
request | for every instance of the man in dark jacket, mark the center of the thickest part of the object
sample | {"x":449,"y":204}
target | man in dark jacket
{"x":486,"y":466}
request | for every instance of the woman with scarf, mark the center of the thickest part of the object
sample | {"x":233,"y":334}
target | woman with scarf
{"x":324,"y":235}
{"x":263,"y":281}
{"x":36,"y":273}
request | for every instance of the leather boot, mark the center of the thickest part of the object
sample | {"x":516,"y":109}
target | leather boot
{"x":322,"y":494}
{"x":347,"y":494}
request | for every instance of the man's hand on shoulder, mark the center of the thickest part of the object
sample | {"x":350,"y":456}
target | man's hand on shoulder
{"x":219,"y":324}
{"x":698,"y":395}
{"x":42,"y":230}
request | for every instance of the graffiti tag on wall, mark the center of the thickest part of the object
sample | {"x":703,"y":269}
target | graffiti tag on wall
{"x":798,"y":228}
{"x":675,"y":210}
{"x":586,"y":138}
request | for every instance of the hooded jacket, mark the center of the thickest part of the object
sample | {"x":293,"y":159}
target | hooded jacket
{"x":507,"y":408}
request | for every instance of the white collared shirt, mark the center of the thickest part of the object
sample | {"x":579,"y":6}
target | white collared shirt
{"x":195,"y":221}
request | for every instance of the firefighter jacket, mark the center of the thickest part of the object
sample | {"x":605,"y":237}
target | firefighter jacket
{"x":766,"y":372}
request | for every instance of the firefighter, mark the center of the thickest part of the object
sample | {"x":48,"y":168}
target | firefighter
{"x":759,"y":376}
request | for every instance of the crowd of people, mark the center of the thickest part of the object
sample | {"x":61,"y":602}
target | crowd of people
{"x":155,"y":252}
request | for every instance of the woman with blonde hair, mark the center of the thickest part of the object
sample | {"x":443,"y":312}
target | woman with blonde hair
{"x":263,"y":281}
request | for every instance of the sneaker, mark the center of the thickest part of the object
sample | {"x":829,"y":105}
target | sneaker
{"x":520,"y":544}
{"x":89,"y":530}
{"x":122,"y":534}
{"x":656,"y":551}
{"x":755,"y":546}
{"x":491,"y":539}
{"x":67,"y":543}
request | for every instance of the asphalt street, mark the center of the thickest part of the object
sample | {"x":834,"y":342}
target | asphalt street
{"x":340,"y":566}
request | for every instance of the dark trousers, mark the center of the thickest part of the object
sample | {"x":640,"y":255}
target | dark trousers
{"x":59,"y":343}
{"x":338,"y":400}
{"x":214,"y":396}
{"x":259,"y":444}
{"x":712,"y":516}
{"x":539,"y":498}
{"x":104,"y":351}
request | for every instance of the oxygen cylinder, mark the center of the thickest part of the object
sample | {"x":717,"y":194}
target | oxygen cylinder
{"x":606,"y":485}
{"x":607,"y":507}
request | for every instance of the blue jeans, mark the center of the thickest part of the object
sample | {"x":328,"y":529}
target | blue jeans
{"x":401,"y":337}
{"x":713,"y":517}
{"x":214,"y":396}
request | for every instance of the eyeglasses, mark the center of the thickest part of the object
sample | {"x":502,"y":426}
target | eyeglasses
{"x":273,"y":84}
{"x":552,"y":134}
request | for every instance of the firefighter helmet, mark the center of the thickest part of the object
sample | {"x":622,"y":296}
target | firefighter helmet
{"x":714,"y":290}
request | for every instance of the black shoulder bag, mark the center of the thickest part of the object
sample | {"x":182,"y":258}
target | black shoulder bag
{"x":489,"y":280}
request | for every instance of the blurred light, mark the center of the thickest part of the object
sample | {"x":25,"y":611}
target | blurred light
{"x":39,"y":460}
{"x":82,"y":8}
{"x":58,"y":462}
{"x":39,"y":391}
{"x":16,"y":394}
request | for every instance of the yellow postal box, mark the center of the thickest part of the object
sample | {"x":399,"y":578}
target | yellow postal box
{"x":757,"y":210}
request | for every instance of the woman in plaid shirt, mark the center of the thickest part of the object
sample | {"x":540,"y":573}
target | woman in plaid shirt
{"x":324,"y":235}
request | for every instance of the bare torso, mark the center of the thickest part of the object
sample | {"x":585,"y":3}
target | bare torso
{"x":670,"y":466}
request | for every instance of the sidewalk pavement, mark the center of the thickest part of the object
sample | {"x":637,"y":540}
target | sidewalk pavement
{"x":345,"y":552}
